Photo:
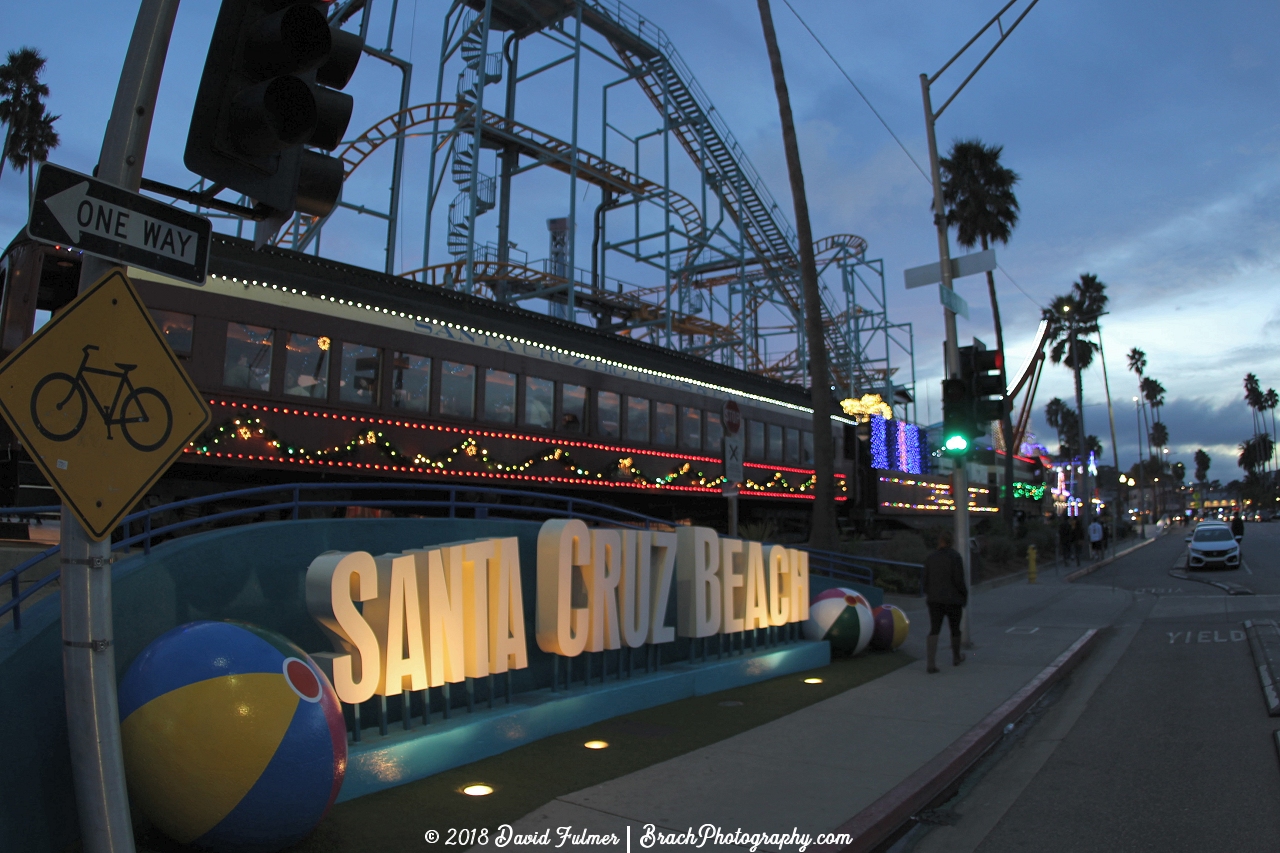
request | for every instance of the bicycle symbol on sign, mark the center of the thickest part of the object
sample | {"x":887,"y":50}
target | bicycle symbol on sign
{"x":60,"y":405}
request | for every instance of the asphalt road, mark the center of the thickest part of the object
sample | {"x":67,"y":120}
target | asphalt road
{"x":1159,"y":742}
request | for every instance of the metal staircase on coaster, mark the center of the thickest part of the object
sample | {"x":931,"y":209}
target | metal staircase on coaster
{"x":656,"y":65}
{"x":773,"y":272}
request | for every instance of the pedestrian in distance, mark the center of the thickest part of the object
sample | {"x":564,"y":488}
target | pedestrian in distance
{"x":946,"y":595}
{"x":1095,"y":538}
{"x":1064,"y":538}
{"x":1237,"y":527}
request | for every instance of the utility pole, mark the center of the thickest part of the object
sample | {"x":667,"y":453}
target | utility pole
{"x":960,"y":478}
{"x":88,"y":653}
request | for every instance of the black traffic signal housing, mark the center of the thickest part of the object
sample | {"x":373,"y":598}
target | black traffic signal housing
{"x":983,"y":372}
{"x":268,"y":91}
{"x":958,"y":426}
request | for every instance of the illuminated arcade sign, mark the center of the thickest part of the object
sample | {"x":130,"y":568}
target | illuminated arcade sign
{"x":450,"y":612}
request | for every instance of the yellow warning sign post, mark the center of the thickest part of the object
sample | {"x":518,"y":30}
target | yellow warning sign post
{"x":101,"y":403}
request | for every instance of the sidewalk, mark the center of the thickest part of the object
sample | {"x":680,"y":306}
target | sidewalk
{"x":819,"y":768}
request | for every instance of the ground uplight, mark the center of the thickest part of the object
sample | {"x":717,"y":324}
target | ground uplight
{"x":596,"y":744}
{"x":813,"y":681}
{"x":478,"y":790}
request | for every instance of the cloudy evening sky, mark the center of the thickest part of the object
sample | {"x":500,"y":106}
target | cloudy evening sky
{"x":1147,"y":137}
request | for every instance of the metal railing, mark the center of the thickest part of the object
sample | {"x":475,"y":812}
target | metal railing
{"x":141,"y":529}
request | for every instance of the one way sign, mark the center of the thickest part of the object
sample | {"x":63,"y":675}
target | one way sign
{"x":76,"y":210}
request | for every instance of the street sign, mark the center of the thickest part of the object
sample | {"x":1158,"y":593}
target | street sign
{"x":731,"y":417}
{"x":972,"y":264}
{"x":953,"y":301}
{"x":100,"y":402}
{"x":72,"y":209}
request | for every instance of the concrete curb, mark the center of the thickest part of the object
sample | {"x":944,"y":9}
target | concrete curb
{"x":1262,"y":661}
{"x":876,"y":823}
{"x":1228,"y":587}
{"x":1088,"y":570}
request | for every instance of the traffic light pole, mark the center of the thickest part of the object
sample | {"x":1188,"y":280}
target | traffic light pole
{"x":88,"y":651}
{"x":960,"y":477}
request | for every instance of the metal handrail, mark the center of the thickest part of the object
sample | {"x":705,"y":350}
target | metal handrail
{"x":836,"y":563}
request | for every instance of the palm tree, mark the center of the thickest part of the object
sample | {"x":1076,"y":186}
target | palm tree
{"x":1062,"y":419}
{"x":822,"y":532}
{"x":1072,"y":319}
{"x":1202,"y":461}
{"x":31,"y":145}
{"x":977,"y":192}
{"x":20,"y":104}
{"x":1253,"y":396}
{"x":1269,"y":402}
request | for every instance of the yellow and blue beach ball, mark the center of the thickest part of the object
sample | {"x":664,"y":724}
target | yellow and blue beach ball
{"x":842,"y":617}
{"x":233,"y":738}
{"x":892,"y":627}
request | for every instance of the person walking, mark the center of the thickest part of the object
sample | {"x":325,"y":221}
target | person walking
{"x":1064,"y":538}
{"x":1237,"y":527}
{"x":1095,"y":538}
{"x":946,"y":595}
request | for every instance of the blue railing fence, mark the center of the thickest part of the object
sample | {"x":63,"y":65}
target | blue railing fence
{"x":143,"y":528}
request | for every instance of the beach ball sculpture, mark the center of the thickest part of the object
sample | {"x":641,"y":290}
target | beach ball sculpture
{"x":891,"y":628}
{"x":842,"y":617}
{"x":233,"y":738}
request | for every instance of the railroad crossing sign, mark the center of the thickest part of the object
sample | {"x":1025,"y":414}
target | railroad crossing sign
{"x":731,"y":417}
{"x":100,"y":402}
{"x":72,"y":209}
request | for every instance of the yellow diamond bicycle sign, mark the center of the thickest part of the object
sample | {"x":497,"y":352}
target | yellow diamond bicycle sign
{"x":101,"y":403}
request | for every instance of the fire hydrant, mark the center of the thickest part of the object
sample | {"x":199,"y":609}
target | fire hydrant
{"x":1031,"y":564}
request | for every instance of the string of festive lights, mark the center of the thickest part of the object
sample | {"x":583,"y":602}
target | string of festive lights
{"x":1029,"y":491}
{"x":215,"y":443}
{"x":471,"y":330}
{"x":879,"y":443}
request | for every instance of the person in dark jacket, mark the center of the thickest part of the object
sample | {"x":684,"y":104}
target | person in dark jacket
{"x":1237,"y":526}
{"x":946,"y":595}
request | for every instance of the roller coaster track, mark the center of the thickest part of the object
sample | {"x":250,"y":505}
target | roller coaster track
{"x":497,"y":130}
{"x":656,"y":65}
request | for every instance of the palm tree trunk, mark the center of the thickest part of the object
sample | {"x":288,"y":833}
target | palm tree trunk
{"x":822,"y":532}
{"x":4,"y":152}
{"x":1006,"y":420}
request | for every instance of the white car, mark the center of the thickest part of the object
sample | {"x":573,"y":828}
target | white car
{"x":1212,"y":544}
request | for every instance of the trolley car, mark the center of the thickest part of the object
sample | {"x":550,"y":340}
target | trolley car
{"x":320,"y":370}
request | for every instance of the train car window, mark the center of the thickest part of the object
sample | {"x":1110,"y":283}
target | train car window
{"x":411,"y":382}
{"x":690,"y":428}
{"x":638,"y":419}
{"x":177,"y":329}
{"x":499,"y":396}
{"x":306,"y":366}
{"x":715,"y":433}
{"x":573,"y":408}
{"x":608,"y":404}
{"x":755,"y":439}
{"x":361,"y":367}
{"x":775,"y":443}
{"x":539,"y":402}
{"x":664,"y":424}
{"x":806,"y":447}
{"x":792,"y":448}
{"x":41,"y":317}
{"x":457,"y":389}
{"x":248,"y":361}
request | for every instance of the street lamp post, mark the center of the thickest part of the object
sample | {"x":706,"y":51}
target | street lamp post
{"x":960,"y":478}
{"x":1142,"y":489}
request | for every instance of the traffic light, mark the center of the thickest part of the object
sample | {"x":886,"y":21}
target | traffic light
{"x":983,"y":372}
{"x":268,"y":91}
{"x":957,"y":417}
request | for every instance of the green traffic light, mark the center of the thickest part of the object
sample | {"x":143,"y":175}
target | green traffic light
{"x":956,"y":444}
